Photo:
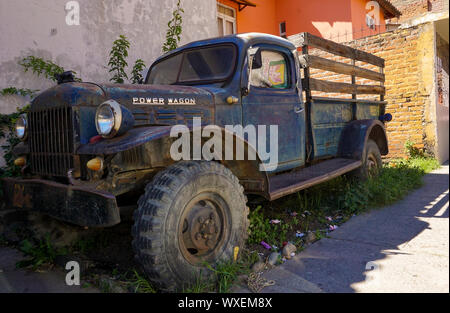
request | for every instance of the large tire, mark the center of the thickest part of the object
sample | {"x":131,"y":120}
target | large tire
{"x":183,"y":204}
{"x":372,"y":162}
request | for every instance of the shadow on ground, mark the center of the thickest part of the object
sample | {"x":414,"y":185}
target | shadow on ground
{"x":399,"y":248}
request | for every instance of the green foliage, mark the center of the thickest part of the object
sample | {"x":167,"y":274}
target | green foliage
{"x":225,"y":274}
{"x":117,"y":59}
{"x":259,"y":226}
{"x":136,"y":76}
{"x":199,"y":286}
{"x":262,"y":230}
{"x":46,"y":68}
{"x":173,"y":34}
{"x":39,"y":253}
{"x":412,"y":151}
{"x":24,"y":92}
{"x":140,"y":284}
{"x":7,"y":124}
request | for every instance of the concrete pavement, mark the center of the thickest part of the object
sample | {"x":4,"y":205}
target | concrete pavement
{"x":400,"y":248}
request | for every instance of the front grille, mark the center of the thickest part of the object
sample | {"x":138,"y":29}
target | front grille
{"x":51,"y":141}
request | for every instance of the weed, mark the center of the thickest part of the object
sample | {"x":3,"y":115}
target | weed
{"x":199,"y":285}
{"x":39,"y":254}
{"x":173,"y":34}
{"x":140,"y":284}
{"x":117,"y":59}
{"x":226,"y":274}
{"x":136,"y":73}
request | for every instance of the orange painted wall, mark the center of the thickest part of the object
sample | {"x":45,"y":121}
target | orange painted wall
{"x":335,"y":19}
{"x":261,"y":18}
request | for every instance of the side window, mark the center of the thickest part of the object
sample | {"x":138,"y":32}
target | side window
{"x":274,"y":72}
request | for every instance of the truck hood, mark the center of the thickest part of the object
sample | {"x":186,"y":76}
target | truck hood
{"x":157,"y":105}
{"x":74,"y":94}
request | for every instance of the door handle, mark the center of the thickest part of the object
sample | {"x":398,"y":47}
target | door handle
{"x":232,"y":100}
{"x":300,"y":110}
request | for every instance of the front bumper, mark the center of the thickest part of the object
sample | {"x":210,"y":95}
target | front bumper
{"x":74,"y":204}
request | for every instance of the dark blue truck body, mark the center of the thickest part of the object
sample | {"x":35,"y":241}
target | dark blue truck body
{"x":63,"y":136}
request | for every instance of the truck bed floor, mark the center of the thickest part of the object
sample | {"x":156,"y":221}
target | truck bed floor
{"x":284,"y":184}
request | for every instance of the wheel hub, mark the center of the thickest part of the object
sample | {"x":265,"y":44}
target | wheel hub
{"x":202,"y":228}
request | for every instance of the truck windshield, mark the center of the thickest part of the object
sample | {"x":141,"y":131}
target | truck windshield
{"x":202,"y":65}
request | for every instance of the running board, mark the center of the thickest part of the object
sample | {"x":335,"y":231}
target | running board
{"x":285,"y":184}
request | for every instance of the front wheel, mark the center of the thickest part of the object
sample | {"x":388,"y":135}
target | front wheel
{"x":192,"y":214}
{"x":372,"y":162}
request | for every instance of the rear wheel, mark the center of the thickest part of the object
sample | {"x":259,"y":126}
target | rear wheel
{"x":191,"y":214}
{"x":372,"y":162}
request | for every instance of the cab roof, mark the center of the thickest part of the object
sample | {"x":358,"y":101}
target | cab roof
{"x":243,"y":41}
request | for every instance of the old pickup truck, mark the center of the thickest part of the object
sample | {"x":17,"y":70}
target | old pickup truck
{"x":90,"y":149}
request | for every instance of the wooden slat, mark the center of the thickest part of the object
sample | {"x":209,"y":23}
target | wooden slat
{"x":313,"y":99}
{"x":341,"y":68}
{"x":326,"y":86}
{"x":306,"y":39}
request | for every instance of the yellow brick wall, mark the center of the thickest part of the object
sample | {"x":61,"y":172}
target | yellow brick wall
{"x":409,"y":55}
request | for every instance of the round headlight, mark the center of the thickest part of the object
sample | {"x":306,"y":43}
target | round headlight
{"x":105,"y":120}
{"x":108,"y":118}
{"x":21,"y":127}
{"x":112,"y":119}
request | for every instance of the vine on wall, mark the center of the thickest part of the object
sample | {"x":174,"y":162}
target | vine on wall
{"x":173,"y":34}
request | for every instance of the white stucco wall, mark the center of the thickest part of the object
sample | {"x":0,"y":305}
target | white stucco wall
{"x":38,"y":27}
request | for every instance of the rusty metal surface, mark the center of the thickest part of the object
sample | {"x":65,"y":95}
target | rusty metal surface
{"x":75,"y":204}
{"x":51,"y":140}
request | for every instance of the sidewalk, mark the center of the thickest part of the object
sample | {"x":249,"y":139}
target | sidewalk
{"x":400,"y":248}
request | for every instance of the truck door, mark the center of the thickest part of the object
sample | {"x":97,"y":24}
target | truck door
{"x":272,"y":99}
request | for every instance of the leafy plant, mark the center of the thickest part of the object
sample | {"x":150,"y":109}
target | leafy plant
{"x":262,"y":230}
{"x":226,"y":273}
{"x":117,"y":59}
{"x":39,"y":66}
{"x":140,"y":284}
{"x":41,"y":253}
{"x":173,"y":34}
{"x":136,"y":73}
{"x":24,"y":92}
{"x":413,"y":150}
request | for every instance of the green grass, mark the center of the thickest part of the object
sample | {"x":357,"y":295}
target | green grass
{"x":225,"y":274}
{"x":140,"y":284}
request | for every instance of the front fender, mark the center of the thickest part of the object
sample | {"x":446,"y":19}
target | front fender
{"x":355,"y":135}
{"x":133,"y":138}
{"x":248,"y":171}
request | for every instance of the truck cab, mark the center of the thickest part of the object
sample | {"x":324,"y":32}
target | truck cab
{"x":89,"y":148}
